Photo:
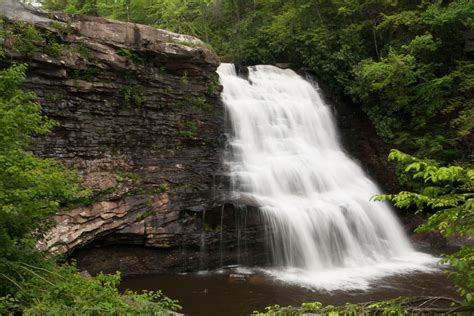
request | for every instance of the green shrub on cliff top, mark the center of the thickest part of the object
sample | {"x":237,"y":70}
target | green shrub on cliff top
{"x":26,"y":39}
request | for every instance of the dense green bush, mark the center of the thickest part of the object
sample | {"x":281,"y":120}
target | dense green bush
{"x":63,"y":290}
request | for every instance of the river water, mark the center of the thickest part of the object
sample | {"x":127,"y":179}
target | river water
{"x":234,"y":292}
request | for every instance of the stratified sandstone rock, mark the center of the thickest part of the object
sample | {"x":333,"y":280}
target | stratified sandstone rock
{"x":138,"y":116}
{"x":84,"y":224}
{"x":100,"y":181}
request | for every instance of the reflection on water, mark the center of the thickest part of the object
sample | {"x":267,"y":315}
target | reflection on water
{"x":238,"y":291}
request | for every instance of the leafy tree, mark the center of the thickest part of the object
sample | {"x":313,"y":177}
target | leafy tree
{"x":30,"y":188}
{"x":63,"y":290}
{"x":447,"y":194}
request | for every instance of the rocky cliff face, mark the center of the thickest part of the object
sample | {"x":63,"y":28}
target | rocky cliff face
{"x":138,"y":115}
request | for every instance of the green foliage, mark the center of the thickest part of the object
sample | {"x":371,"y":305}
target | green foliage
{"x":133,"y":56}
{"x":123,"y":176}
{"x":54,"y":49}
{"x":188,"y":129}
{"x":55,"y":97}
{"x":189,"y":216}
{"x":20,"y":113}
{"x":184,"y":79}
{"x":447,"y":194}
{"x":398,"y":306}
{"x":27,"y":39}
{"x":62,"y":27}
{"x":131,"y":94}
{"x":53,"y":290}
{"x":150,"y":190}
{"x":166,"y":90}
{"x":88,"y":74}
{"x":214,"y":87}
{"x":164,"y":187}
{"x":144,"y":215}
{"x":200,"y":103}
{"x":402,"y":61}
{"x":196,"y":104}
{"x":463,"y":274}
{"x":84,"y":51}
{"x":30,"y":188}
{"x":88,"y":7}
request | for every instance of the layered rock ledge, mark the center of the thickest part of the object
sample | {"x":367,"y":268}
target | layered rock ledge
{"x":139,"y":116}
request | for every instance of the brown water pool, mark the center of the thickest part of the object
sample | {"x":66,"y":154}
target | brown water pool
{"x":226,"y":292}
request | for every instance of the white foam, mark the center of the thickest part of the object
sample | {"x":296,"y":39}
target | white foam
{"x":357,"y":277}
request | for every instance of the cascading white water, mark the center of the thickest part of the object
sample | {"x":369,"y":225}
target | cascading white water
{"x":325,"y":231}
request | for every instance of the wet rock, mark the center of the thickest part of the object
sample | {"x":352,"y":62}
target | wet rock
{"x":242,"y":71}
{"x":85,"y":274}
{"x":361,"y":141}
{"x":237,"y":278}
{"x":433,"y":242}
{"x":256,"y":279}
{"x":469,"y":41}
{"x":80,"y":226}
{"x":283,"y":65}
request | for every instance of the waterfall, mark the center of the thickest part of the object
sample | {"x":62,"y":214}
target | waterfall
{"x":286,"y":159}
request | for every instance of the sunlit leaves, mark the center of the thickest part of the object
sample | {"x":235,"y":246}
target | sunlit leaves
{"x":422,"y":43}
{"x":30,"y":188}
{"x":446,"y":193}
{"x":457,"y":12}
{"x":19,"y":113}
